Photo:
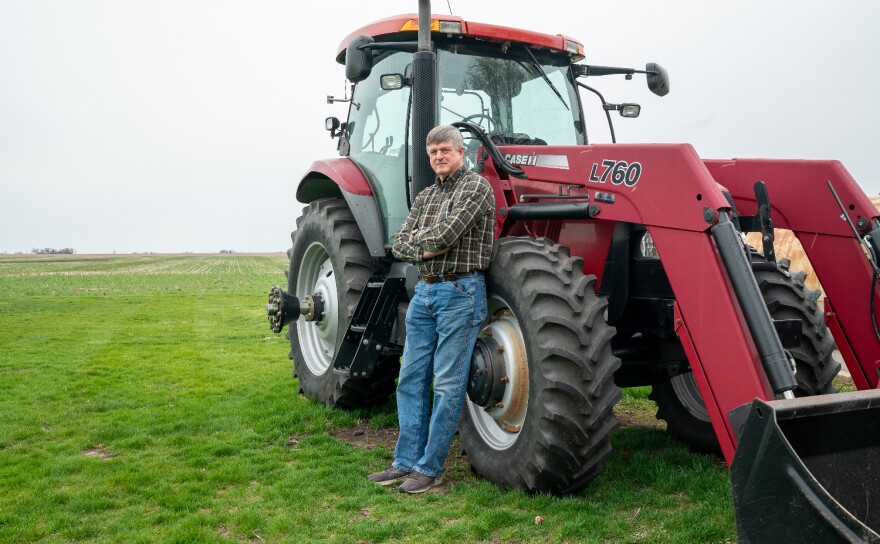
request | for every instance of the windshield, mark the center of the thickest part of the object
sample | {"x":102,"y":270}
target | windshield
{"x":516,"y":96}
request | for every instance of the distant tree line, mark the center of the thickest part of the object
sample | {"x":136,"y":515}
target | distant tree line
{"x":53,"y":251}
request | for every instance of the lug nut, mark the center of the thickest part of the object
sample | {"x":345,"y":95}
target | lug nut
{"x":488,"y":332}
{"x":500,"y":349}
{"x":499,"y":405}
{"x":505,"y":379}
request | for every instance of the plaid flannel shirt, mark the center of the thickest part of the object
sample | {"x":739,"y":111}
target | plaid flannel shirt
{"x":456,"y":213}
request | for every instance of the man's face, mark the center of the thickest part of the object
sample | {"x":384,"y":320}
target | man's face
{"x":445,"y":158}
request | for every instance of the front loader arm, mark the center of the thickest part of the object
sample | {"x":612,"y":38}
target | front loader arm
{"x":802,"y":202}
{"x":669,"y":189}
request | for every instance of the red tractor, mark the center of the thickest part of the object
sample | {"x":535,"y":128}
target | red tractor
{"x":615,"y":265}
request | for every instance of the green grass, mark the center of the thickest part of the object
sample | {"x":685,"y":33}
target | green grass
{"x":143,"y":399}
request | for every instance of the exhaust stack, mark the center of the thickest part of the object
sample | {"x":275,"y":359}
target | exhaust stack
{"x":424,"y":102}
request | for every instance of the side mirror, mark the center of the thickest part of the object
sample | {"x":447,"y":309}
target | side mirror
{"x":358,"y":59}
{"x":658,"y":79}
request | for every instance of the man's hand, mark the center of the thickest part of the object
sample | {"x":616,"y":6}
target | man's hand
{"x":414,"y":239}
{"x":431,"y":254}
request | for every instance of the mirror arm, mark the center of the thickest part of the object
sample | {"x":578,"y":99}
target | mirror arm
{"x":604,"y":107}
{"x":658,"y":81}
{"x":588,"y":70}
{"x":405,"y":47}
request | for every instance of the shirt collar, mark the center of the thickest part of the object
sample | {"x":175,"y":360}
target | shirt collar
{"x":453,"y":177}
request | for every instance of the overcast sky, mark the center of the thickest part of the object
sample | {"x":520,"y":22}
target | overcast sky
{"x":182,"y":125}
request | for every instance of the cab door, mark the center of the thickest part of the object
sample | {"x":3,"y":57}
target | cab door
{"x":377,"y":137}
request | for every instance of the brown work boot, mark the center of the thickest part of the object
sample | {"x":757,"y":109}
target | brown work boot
{"x":388,"y":476}
{"x":417,"y":482}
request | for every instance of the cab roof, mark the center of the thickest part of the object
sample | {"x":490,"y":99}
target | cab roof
{"x":405,"y":27}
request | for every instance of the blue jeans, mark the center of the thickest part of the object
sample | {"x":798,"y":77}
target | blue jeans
{"x":442,"y":324}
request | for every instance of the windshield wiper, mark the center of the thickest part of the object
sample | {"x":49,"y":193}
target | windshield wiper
{"x":541,"y":71}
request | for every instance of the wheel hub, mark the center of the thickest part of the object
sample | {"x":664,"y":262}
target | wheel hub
{"x":325,"y":292}
{"x":488,"y":379}
{"x":500,"y":381}
{"x":284,"y":308}
{"x":312,"y":308}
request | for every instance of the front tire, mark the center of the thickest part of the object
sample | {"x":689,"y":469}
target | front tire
{"x":329,"y":257}
{"x":551,"y":431}
{"x":787,"y":297}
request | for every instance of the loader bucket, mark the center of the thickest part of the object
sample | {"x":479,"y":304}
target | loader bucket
{"x":808,"y":470}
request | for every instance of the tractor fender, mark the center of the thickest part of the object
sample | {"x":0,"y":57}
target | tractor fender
{"x":342,"y":177}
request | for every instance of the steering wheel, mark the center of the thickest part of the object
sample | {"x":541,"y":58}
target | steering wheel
{"x":491,"y":125}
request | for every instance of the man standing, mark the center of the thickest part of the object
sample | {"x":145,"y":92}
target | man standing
{"x":448,"y":234}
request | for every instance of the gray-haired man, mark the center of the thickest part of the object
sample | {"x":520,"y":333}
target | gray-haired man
{"x":448,"y":235}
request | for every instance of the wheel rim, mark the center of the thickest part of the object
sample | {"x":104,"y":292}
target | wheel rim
{"x":499,"y":427}
{"x":685,"y":387}
{"x":317,"y":339}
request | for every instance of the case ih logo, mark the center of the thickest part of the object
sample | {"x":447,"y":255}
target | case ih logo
{"x":528,"y":160}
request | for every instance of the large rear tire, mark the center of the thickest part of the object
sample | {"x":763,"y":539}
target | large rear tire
{"x":787,"y":297}
{"x":329,"y":257}
{"x":551,"y":431}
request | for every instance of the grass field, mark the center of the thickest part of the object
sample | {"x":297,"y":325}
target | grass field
{"x":143,"y":399}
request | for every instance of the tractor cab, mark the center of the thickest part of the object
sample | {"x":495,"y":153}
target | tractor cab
{"x":517,"y":86}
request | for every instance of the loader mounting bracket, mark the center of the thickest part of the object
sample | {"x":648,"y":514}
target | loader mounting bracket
{"x":369,"y":334}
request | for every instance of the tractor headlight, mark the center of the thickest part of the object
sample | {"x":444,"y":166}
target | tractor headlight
{"x":630,"y":110}
{"x":575,"y":49}
{"x":392,"y":82}
{"x":450,"y":27}
{"x":647,"y":248}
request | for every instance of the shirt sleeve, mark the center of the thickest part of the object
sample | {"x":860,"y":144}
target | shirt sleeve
{"x":402,"y":248}
{"x":468,"y":204}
